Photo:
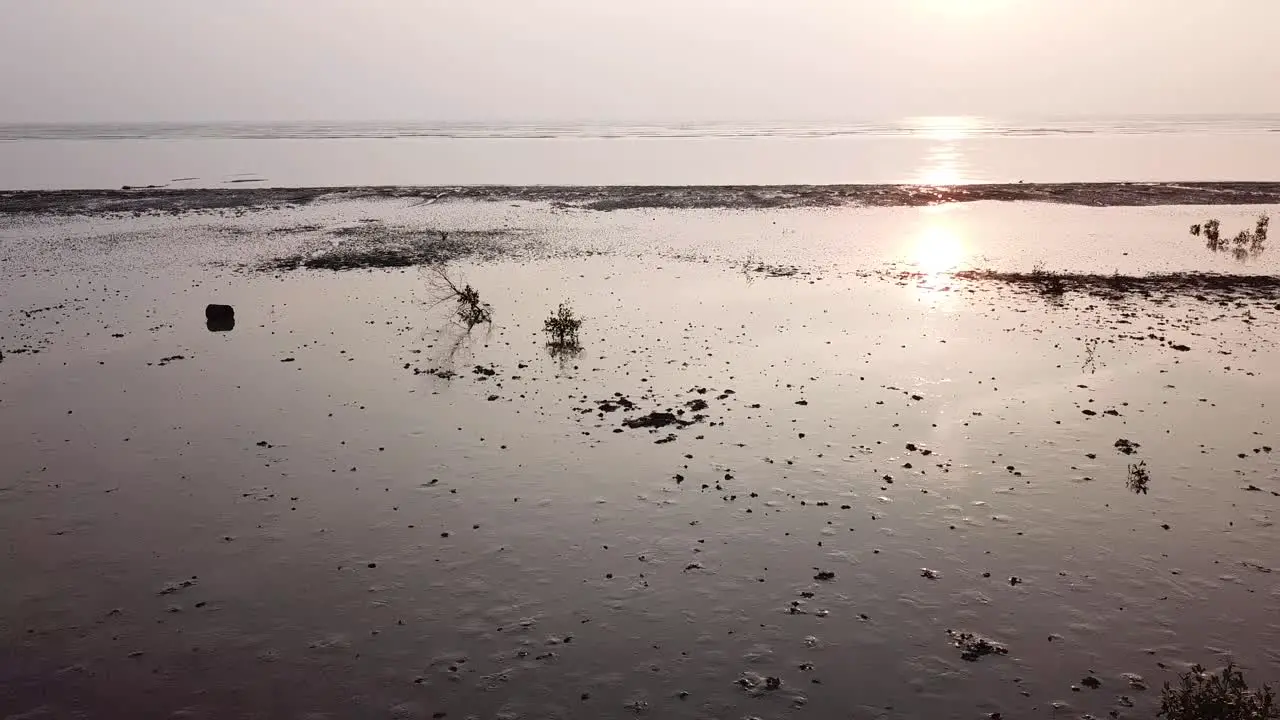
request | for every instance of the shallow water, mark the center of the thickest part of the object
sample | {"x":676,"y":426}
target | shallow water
{"x":935,"y":151}
{"x":363,"y":537}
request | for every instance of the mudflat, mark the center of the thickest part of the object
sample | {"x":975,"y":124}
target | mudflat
{"x":888,"y":451}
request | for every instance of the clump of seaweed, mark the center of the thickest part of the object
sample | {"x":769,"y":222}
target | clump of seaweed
{"x":562,"y":331}
{"x":1201,"y":695}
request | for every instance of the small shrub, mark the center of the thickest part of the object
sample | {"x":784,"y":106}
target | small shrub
{"x":562,"y":328}
{"x":1090,"y":355}
{"x":1139,"y":478}
{"x":1202,"y":695}
{"x":1211,"y":230}
{"x":1245,"y":244}
{"x":470,"y":309}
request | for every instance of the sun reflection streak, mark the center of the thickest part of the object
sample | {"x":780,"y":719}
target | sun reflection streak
{"x":942,"y":166}
{"x":944,"y":163}
{"x":946,"y":127}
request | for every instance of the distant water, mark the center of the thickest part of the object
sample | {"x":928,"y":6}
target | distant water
{"x":927,"y":127}
{"x":929,"y":150}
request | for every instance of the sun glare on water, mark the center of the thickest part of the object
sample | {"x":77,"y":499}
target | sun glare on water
{"x":946,"y":127}
{"x":944,"y":161}
{"x":938,"y":249}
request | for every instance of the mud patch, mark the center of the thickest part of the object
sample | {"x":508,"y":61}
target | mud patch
{"x":656,"y":420}
{"x":974,"y":647}
{"x":376,"y":246}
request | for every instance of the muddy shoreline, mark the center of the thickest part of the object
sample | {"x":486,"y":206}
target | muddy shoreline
{"x":798,"y":464}
{"x":605,"y":198}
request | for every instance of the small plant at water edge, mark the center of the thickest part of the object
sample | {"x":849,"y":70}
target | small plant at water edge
{"x":470,"y":309}
{"x":1047,"y":281}
{"x":562,"y":327}
{"x":1246,"y":243}
{"x":1202,"y":695}
{"x":1090,"y":355}
{"x":1139,"y":478}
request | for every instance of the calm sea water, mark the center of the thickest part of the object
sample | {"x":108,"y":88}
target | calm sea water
{"x":933,"y":150}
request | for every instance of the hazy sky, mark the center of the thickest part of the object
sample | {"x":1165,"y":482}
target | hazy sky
{"x":632,"y":60}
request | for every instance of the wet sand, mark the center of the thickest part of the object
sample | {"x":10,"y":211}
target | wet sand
{"x":801,"y":456}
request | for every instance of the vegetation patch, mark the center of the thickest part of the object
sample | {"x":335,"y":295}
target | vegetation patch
{"x":1198,"y":285}
{"x":379,"y":247}
{"x":1244,"y":245}
{"x":1202,"y":695}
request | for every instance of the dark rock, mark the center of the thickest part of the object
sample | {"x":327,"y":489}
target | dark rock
{"x":219,"y":318}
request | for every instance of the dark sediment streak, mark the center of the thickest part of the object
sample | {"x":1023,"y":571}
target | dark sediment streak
{"x":1198,"y":285}
{"x":97,"y":202}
